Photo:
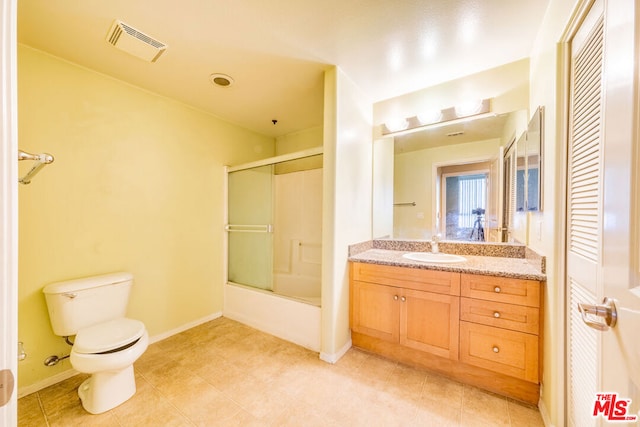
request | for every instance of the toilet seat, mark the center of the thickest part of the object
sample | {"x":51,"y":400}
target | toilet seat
{"x":111,"y":335}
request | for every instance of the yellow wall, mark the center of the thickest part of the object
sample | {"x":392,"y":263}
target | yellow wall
{"x":298,"y":141}
{"x":346,"y":199}
{"x":546,"y":228}
{"x":137,"y":185}
{"x":508,"y":85}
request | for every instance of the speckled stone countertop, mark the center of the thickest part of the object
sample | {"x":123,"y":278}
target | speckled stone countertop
{"x":527,"y":266}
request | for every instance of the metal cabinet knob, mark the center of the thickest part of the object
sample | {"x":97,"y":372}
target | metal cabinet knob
{"x":496,"y":349}
{"x":395,"y":297}
{"x":496,"y":314}
{"x":497,"y":289}
{"x":403,"y":299}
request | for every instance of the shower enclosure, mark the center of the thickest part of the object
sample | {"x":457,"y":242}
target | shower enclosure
{"x":275,"y":226}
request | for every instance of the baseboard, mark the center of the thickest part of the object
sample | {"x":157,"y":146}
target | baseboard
{"x":544,"y":413}
{"x":334,"y":357}
{"x":24,"y":391}
{"x":186,"y":326}
{"x":55,"y":379}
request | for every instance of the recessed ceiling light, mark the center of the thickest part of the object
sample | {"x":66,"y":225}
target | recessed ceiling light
{"x":221,"y":80}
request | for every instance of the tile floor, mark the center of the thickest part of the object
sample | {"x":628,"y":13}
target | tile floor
{"x":223,"y":373}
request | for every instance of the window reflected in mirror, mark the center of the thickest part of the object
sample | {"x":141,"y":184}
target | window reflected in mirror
{"x":464,"y":201}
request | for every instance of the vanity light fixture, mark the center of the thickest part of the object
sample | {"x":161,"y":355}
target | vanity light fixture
{"x":397,"y":125}
{"x":469,"y":108}
{"x":429,"y":117}
{"x":436,"y":117}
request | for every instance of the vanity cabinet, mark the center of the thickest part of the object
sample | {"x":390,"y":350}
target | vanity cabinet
{"x":477,"y":329}
{"x":415,"y":308}
{"x":500,"y":325}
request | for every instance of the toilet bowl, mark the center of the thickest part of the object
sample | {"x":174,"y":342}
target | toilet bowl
{"x":106,"y":342}
{"x":103,"y":351}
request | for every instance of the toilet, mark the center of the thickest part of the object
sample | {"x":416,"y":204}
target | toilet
{"x":106,"y":342}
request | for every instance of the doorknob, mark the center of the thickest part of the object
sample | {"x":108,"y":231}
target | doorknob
{"x":606,"y":311}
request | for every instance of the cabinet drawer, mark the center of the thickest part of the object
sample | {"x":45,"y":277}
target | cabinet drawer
{"x":509,"y":316}
{"x":499,"y":350}
{"x":440,"y":282}
{"x":501,"y":289}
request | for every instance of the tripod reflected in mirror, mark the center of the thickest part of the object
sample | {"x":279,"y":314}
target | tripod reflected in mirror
{"x":478,"y":228}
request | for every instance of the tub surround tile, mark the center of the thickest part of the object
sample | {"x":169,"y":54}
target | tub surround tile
{"x":500,"y":259}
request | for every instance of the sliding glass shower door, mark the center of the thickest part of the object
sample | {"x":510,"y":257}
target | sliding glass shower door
{"x":250,"y":233}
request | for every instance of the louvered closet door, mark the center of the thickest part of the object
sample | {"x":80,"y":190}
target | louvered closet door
{"x":584,"y":213}
{"x":603,"y":221}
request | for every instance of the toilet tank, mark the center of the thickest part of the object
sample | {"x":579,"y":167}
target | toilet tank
{"x":79,"y":303}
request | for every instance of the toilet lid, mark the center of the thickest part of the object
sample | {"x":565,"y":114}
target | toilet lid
{"x":108,"y":335}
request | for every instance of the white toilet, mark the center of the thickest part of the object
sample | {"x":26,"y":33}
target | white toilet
{"x":106,"y":342}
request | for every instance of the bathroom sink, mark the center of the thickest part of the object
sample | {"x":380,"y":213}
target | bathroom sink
{"x":431,"y":257}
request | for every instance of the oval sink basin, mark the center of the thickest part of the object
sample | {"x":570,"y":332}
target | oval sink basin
{"x":431,"y":257}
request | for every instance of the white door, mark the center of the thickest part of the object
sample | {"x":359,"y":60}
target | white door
{"x":8,"y":215}
{"x":602,"y":220}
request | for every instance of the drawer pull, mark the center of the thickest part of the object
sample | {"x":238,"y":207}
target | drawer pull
{"x":497,"y":289}
{"x":496,"y":314}
{"x":496,"y":349}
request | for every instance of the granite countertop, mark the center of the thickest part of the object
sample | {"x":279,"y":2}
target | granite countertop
{"x":519,"y":268}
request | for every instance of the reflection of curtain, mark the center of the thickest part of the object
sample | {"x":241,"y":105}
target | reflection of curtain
{"x":472,"y":194}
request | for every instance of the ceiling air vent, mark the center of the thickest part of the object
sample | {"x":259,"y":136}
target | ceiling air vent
{"x":135,"y":42}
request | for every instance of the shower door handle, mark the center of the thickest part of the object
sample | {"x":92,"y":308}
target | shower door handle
{"x":249,"y":228}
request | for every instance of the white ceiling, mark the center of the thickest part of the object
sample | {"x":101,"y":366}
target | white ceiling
{"x":277,"y":50}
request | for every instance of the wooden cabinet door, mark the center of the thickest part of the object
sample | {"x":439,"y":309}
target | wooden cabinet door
{"x":500,"y":350}
{"x":430,"y":322}
{"x":375,"y":310}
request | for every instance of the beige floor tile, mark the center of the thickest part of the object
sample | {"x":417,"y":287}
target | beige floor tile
{"x":62,"y":397}
{"x":240,"y":419}
{"x":352,"y":360}
{"x":442,"y":390}
{"x":479,"y":406}
{"x":405,"y":382}
{"x":432,"y":413}
{"x":148,"y":408}
{"x":72,"y":416}
{"x":259,"y":399}
{"x":390,"y":409}
{"x":30,"y":412}
{"x":222,"y":374}
{"x":242,"y":377}
{"x":524,"y":416}
{"x":201,"y":403}
{"x":300,"y":414}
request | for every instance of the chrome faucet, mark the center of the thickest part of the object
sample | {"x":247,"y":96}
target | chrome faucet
{"x":434,"y":243}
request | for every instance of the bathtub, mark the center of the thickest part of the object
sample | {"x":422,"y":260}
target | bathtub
{"x":292,"y":318}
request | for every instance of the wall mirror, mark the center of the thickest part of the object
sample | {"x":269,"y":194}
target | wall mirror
{"x":529,"y":165}
{"x":417,"y":173}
